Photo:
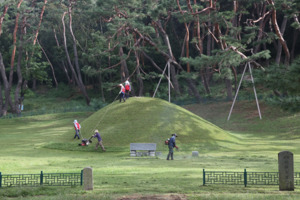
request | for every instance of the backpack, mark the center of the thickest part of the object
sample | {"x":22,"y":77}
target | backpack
{"x":126,"y":87}
{"x":167,"y":141}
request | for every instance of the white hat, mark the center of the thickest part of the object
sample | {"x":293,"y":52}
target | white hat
{"x":96,"y":131}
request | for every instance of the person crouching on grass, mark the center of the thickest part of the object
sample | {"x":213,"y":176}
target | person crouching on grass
{"x":97,"y":135}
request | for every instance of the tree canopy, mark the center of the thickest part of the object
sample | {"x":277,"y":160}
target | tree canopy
{"x":104,"y":43}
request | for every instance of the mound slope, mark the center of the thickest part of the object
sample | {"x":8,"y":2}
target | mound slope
{"x":148,"y":120}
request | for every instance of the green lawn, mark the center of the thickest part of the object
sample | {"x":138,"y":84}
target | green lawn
{"x":249,"y":143}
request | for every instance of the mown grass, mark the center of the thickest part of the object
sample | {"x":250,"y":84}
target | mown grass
{"x":148,"y":120}
{"x":115,"y":175}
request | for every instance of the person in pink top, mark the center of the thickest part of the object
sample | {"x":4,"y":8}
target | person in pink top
{"x":77,"y":129}
{"x":122,"y":92}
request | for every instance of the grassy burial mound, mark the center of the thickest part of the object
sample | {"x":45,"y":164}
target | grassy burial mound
{"x":145,"y":120}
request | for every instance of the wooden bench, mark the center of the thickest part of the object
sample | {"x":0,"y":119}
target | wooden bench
{"x":150,"y":147}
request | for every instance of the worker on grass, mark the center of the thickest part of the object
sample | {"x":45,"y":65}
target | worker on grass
{"x":77,"y":129}
{"x":127,"y":88}
{"x":171,"y":145}
{"x":122,"y":92}
{"x":97,"y":135}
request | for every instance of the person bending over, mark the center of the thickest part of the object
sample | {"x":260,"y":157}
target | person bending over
{"x":97,"y":135}
{"x":77,"y":129}
{"x":171,"y":145}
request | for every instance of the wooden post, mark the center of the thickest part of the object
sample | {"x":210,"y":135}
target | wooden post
{"x":160,"y":81}
{"x":237,"y":92}
{"x":254,"y":90}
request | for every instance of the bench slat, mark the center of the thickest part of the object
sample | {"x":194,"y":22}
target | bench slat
{"x":142,"y":146}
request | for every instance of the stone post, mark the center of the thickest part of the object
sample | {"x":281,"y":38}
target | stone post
{"x":286,"y":171}
{"x":88,"y":182}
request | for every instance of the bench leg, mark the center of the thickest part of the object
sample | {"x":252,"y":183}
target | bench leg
{"x":132,"y":153}
{"x":151,"y":153}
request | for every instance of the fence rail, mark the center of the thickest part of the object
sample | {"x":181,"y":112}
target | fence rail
{"x":244,"y":178}
{"x":45,"y":179}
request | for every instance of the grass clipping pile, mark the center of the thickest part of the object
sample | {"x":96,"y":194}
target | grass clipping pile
{"x":144,"y":120}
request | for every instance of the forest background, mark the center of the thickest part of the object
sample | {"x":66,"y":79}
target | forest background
{"x":98,"y":43}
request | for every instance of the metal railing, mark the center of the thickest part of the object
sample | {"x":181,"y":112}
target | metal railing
{"x":42,"y":179}
{"x":244,"y":178}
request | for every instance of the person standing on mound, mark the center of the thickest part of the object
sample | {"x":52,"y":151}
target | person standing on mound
{"x":171,"y":145}
{"x":97,"y":135}
{"x":127,"y":88}
{"x":122,"y":92}
{"x":77,"y":129}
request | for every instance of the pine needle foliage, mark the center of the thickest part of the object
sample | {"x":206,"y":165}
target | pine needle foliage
{"x":285,"y":80}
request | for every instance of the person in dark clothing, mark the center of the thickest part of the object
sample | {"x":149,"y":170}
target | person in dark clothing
{"x":171,"y":145}
{"x":97,"y":135}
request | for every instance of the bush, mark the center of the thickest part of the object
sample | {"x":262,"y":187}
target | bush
{"x":29,"y":94}
{"x":97,"y":104}
{"x":63,"y":91}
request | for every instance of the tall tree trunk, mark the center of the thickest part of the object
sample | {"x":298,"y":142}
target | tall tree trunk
{"x":138,"y":74}
{"x":267,"y":60}
{"x":53,"y":73}
{"x":140,"y":80}
{"x":169,"y":56}
{"x":296,"y":31}
{"x":101,"y":87}
{"x":26,"y":77}
{"x":193,"y":88}
{"x":261,"y":29}
{"x":17,"y":106}
{"x":14,"y":48}
{"x":124,"y":70}
{"x":75,"y":50}
{"x":33,"y":84}
{"x":78,"y":80}
{"x":174,"y":80}
{"x":1,"y":20}
{"x":172,"y":69}
{"x":205,"y":83}
{"x":209,"y":41}
{"x":278,"y":33}
{"x":1,"y":100}
{"x":62,"y":61}
{"x":40,"y":22}
{"x":279,"y":49}
{"x":8,"y":100}
{"x":110,"y":75}
{"x":66,"y":71}
{"x":229,"y":89}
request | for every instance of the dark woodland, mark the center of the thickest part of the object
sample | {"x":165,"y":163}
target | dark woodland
{"x":103,"y":43}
